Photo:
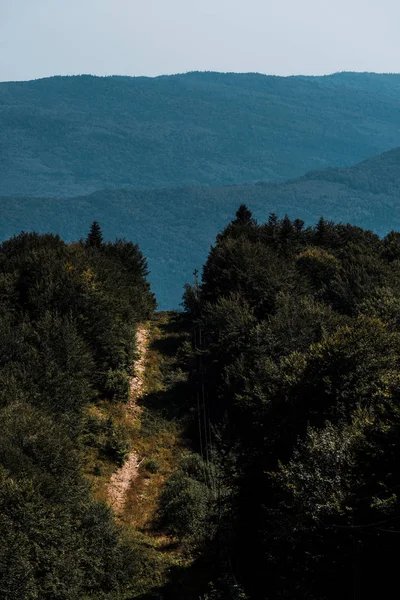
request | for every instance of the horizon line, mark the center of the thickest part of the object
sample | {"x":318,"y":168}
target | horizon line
{"x":180,"y":74}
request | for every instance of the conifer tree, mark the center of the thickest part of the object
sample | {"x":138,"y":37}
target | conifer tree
{"x":320,"y":230}
{"x":244,"y":216}
{"x":286,"y":229}
{"x":272,"y":220}
{"x":298,"y":225}
{"x":95,"y":236}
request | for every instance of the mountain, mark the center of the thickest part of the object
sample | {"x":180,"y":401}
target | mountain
{"x":175,"y":226}
{"x":70,"y":136}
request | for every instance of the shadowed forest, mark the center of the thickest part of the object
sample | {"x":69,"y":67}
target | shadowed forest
{"x":268,"y":427}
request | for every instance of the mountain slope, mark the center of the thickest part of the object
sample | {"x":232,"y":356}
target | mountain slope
{"x":175,"y":227}
{"x":67,"y":136}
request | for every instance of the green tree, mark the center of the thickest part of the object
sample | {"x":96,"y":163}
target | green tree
{"x":243,"y":216}
{"x":95,"y":237}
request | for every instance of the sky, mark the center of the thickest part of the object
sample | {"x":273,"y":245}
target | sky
{"x":40,"y":38}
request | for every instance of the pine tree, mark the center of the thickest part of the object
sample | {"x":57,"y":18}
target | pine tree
{"x":286,"y":230}
{"x":272,"y":227}
{"x":298,"y":225}
{"x":272,"y":220}
{"x":95,"y":236}
{"x":321,"y":230}
{"x":244,"y":216}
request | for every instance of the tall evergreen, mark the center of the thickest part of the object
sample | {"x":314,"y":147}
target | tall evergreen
{"x":95,"y":236}
{"x":243,"y":216}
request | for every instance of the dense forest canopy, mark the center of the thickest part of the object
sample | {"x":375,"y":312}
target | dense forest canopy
{"x":297,"y":346}
{"x":68,"y":315}
{"x":69,"y":136}
{"x":166,"y":221}
{"x":287,"y":389}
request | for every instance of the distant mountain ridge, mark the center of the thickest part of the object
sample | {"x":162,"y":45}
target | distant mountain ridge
{"x":381,"y":174}
{"x":69,"y":136}
{"x":176,"y":226}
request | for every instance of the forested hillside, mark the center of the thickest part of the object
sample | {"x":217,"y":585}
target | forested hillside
{"x":68,"y":316}
{"x":295,"y":375}
{"x":267,"y":428}
{"x":246,"y":447}
{"x":175,"y":227}
{"x":68,"y":136}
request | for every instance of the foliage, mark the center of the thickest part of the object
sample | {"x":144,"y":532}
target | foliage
{"x":95,"y":236}
{"x":297,"y":345}
{"x":151,"y":465}
{"x":186,"y":502}
{"x":68,"y":318}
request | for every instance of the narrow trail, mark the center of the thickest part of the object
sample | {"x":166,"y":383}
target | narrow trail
{"x":122,"y":479}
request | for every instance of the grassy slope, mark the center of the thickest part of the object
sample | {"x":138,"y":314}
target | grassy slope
{"x":156,"y":432}
{"x":74,"y":135}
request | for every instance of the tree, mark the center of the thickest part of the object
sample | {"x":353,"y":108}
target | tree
{"x":244,"y":216}
{"x":298,"y":225}
{"x":272,"y":220}
{"x":286,"y":232}
{"x":320,"y":230}
{"x":95,"y":236}
{"x":391,"y":245}
{"x":318,"y":266}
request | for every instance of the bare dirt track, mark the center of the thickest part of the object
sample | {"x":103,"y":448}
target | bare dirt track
{"x":121,"y":480}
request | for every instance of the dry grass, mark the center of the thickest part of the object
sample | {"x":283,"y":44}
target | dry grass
{"x":158,"y":440}
{"x":97,"y":467}
{"x":153,"y":434}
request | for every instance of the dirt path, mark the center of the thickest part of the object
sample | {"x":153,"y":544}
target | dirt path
{"x":122,"y":479}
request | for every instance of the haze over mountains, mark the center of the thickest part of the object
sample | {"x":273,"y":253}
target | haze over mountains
{"x":166,"y":161}
{"x":68,"y":136}
{"x":176,"y":226}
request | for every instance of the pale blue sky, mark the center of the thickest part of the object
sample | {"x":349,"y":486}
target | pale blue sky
{"x":39,"y":38}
